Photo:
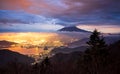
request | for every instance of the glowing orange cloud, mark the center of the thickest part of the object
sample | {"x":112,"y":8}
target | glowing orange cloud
{"x":14,"y":4}
{"x":31,"y":6}
{"x":101,"y":28}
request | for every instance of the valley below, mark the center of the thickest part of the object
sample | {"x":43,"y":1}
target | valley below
{"x":35,"y":43}
{"x":31,"y":50}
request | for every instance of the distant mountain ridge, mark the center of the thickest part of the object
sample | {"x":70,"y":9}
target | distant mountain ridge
{"x":82,"y":42}
{"x":72,"y":29}
{"x":5,"y":44}
{"x":7,"y":56}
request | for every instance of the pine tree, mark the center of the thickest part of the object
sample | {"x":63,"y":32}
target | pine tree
{"x":96,"y":41}
{"x":45,"y":48}
{"x":95,"y":55}
{"x":46,"y":66}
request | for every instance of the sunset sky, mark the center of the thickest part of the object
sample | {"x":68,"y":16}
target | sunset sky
{"x":51,"y":15}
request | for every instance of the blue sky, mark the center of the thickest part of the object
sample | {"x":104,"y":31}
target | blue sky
{"x":50,"y":15}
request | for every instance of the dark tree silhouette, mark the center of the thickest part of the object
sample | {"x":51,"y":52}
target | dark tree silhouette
{"x":45,"y":66}
{"x":45,"y":48}
{"x":96,"y":41}
{"x":95,"y":56}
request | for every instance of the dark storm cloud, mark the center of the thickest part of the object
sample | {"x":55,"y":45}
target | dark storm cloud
{"x":92,"y":12}
{"x":7,"y":16}
{"x":65,"y":12}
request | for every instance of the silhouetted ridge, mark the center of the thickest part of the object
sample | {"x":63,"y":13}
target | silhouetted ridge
{"x":4,"y":42}
{"x":72,"y":28}
{"x":8,"y":56}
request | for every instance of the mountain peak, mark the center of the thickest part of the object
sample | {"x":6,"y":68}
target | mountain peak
{"x":72,"y":29}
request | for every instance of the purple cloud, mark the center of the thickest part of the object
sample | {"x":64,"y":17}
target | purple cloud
{"x":65,"y":12}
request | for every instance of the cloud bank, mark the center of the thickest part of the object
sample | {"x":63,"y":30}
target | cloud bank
{"x":60,"y":12}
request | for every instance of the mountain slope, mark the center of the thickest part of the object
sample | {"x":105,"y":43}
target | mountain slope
{"x":73,"y":63}
{"x":72,"y":29}
{"x":82,"y":42}
{"x":5,"y":44}
{"x":7,"y":56}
